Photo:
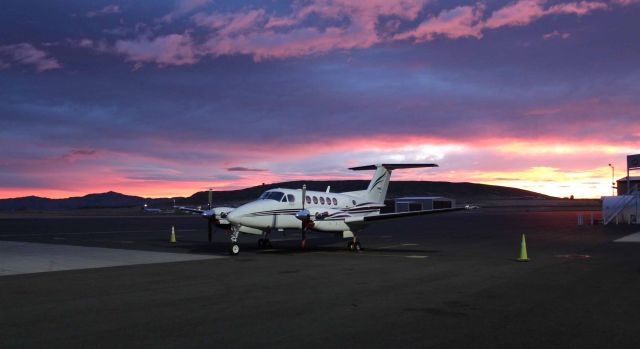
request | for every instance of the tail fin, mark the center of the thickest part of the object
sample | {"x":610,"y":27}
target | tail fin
{"x":377,"y":190}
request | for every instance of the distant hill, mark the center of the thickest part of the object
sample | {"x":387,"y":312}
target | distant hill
{"x":103,"y":200}
{"x":458,"y":191}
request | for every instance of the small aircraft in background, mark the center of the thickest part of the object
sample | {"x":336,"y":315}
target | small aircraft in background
{"x":343,"y":214}
{"x":148,"y":209}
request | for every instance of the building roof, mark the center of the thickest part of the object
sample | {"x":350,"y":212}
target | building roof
{"x":633,"y":178}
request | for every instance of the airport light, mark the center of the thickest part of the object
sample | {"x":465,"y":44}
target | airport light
{"x":613,"y":182}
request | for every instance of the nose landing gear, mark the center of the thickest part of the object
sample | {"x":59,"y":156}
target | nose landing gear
{"x":235,"y":248}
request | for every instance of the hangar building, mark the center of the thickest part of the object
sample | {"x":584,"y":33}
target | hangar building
{"x":419,"y":203}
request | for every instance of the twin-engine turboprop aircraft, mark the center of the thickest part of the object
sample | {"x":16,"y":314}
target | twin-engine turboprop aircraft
{"x":343,"y":214}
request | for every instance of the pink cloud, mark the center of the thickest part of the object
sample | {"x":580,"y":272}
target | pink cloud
{"x":256,"y":33}
{"x":107,"y":10}
{"x":26,"y":54}
{"x":556,"y":34}
{"x":184,"y":7}
{"x":462,"y":21}
{"x":517,"y":13}
{"x":626,"y":2}
{"x":523,"y":12}
{"x":172,"y":49}
{"x":232,"y":23}
{"x":578,"y":8}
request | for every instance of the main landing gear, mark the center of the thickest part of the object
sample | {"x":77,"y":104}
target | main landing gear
{"x":264,"y":243}
{"x":354,"y":246}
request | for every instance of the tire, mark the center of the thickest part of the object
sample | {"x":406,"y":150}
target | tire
{"x":350,"y":246}
{"x":261,"y":243}
{"x":357,"y":247}
{"x":234,"y":250}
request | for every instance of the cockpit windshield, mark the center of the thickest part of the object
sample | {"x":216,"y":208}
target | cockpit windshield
{"x":271,"y":195}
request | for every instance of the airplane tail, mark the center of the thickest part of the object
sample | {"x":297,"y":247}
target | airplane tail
{"x":377,"y":189}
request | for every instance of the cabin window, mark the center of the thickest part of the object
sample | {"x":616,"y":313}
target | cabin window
{"x":315,"y":200}
{"x":335,"y":202}
{"x":308,"y":199}
{"x":353,"y":201}
{"x":328,"y":201}
{"x":272,"y":195}
{"x":291,"y":198}
{"x":321,"y":200}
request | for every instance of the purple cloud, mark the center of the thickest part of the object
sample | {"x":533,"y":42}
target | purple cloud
{"x":107,"y":10}
{"x":26,"y":54}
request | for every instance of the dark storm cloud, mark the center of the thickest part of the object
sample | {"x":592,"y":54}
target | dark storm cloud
{"x":245,"y":169}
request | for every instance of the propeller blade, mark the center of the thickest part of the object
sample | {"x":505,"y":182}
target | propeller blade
{"x":210,"y":228}
{"x":304,"y":194}
{"x":303,"y":222}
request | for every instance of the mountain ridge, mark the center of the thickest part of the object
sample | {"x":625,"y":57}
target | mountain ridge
{"x":460,"y":191}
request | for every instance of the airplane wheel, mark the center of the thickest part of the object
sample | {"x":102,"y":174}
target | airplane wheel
{"x":235,"y":249}
{"x":303,"y":244}
{"x":261,"y":243}
{"x":357,"y":247}
{"x":267,"y":243}
{"x":350,"y":246}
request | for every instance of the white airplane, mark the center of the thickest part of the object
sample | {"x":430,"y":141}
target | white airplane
{"x":343,"y":214}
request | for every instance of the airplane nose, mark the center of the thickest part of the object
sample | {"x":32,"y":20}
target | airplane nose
{"x":233,"y":216}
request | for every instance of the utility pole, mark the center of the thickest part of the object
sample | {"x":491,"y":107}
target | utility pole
{"x":613,"y":181}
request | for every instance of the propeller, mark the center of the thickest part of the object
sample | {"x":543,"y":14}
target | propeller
{"x":213,"y":215}
{"x":210,"y":227}
{"x":304,"y":216}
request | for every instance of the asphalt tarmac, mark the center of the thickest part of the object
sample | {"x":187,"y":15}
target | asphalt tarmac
{"x":433,"y":281}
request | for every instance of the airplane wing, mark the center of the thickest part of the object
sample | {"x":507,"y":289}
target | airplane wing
{"x":385,"y":216}
{"x":189,"y":209}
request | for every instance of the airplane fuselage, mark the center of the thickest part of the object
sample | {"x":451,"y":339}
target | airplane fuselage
{"x":276,"y":209}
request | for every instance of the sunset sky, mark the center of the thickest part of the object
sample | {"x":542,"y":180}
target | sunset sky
{"x":165,"y":98}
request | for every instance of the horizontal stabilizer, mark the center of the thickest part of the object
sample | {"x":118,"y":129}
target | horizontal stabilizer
{"x":391,"y":167}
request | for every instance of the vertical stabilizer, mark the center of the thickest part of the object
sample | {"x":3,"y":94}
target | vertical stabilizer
{"x":379,"y":185}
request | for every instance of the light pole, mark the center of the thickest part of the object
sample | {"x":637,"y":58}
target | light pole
{"x":613,"y":182}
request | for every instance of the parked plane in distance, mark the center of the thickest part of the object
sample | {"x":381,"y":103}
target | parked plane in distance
{"x":148,"y":209}
{"x":344,"y":214}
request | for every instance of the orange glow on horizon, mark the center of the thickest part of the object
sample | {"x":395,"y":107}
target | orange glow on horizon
{"x":512,"y":163}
